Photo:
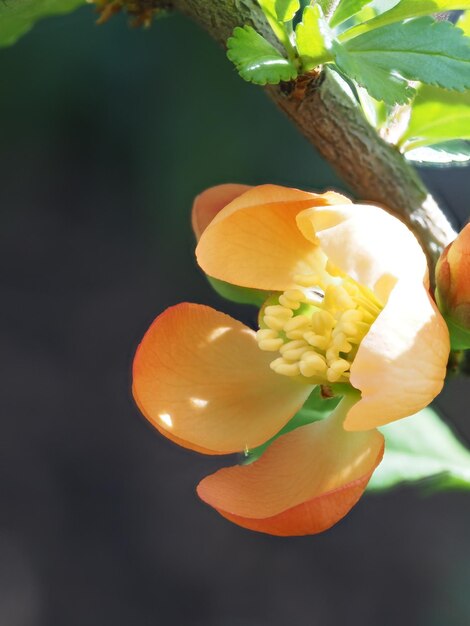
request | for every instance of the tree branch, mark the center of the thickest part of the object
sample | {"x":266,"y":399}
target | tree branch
{"x":335,"y":125}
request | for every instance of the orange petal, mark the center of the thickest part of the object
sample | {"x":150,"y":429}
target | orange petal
{"x":207,"y":204}
{"x":304,"y":483}
{"x":401,"y":363}
{"x":201,"y":379}
{"x":367,"y":243}
{"x":254,"y":242}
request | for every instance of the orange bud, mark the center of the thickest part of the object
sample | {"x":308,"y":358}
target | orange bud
{"x":453,"y":281}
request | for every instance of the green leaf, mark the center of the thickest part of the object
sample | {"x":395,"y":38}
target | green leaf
{"x":379,"y":82}
{"x":346,"y":9}
{"x":313,"y":39}
{"x":449,"y":154}
{"x":404,"y":10}
{"x":315,"y":408}
{"x":375,"y":111}
{"x":241,"y":295}
{"x":278,"y":13}
{"x":437,"y":116}
{"x":421,"y":50}
{"x":459,"y":336}
{"x":464,"y":22}
{"x":256,"y":60}
{"x":17,"y":17}
{"x":281,"y":10}
{"x":419,"y":447}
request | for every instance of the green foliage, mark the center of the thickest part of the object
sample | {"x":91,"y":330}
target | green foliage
{"x":421,"y":50}
{"x":404,"y":10}
{"x":256,"y":59}
{"x":437,"y":116}
{"x":347,"y":9}
{"x":383,"y":55}
{"x":448,"y":154}
{"x":459,"y":336}
{"x":279,"y":13}
{"x":422,"y":447}
{"x":280,"y":10}
{"x":375,"y":111}
{"x":17,"y":17}
{"x":464,"y":22}
{"x":241,"y":295}
{"x":313,"y":38}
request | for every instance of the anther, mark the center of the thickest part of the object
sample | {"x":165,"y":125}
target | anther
{"x":319,"y":343}
{"x":296,"y":327}
{"x":287,"y":369}
{"x":293,"y":350}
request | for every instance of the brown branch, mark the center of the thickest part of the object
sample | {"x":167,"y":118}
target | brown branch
{"x":334,"y":124}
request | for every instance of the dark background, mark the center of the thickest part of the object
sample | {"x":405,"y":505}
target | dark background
{"x":106,"y":135}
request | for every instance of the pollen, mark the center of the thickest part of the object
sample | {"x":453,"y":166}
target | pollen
{"x":316,"y":327}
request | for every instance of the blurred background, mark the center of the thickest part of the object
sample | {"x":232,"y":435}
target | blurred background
{"x":106,"y":135}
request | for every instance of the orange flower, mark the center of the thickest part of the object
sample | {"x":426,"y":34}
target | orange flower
{"x":347,"y":304}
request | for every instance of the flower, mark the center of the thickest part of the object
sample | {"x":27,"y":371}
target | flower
{"x":347,"y":305}
{"x":453,"y":288}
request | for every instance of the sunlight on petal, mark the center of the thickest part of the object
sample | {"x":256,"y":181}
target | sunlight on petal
{"x":166,"y":419}
{"x":203,"y":370}
{"x":217,"y":333}
{"x":199,"y":402}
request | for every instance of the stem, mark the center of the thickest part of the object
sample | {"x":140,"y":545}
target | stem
{"x":333,"y":122}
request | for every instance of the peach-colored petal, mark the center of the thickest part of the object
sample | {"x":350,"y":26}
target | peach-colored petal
{"x":401,"y":363}
{"x":453,"y":279}
{"x":207,"y":204}
{"x":304,"y":483}
{"x":201,"y":379}
{"x":254,"y":242}
{"x":367,"y":243}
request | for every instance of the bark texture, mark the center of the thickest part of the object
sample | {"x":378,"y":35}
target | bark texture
{"x":334,"y":124}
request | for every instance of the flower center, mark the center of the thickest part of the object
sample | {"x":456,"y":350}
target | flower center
{"x":317,"y":326}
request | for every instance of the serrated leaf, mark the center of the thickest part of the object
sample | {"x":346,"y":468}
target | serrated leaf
{"x":346,"y":9}
{"x":420,"y":50}
{"x":313,"y":39}
{"x":17,"y":17}
{"x":256,"y":60}
{"x":282,"y":10}
{"x":404,"y":10}
{"x":379,"y":82}
{"x":419,"y":447}
{"x":437,"y":116}
{"x":452,"y":154}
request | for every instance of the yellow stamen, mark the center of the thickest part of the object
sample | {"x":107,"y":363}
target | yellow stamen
{"x":317,"y":326}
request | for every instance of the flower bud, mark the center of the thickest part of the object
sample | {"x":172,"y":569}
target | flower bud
{"x":453,"y":288}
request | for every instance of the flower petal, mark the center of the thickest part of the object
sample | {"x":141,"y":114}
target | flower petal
{"x":401,"y":363}
{"x":207,"y":204}
{"x":304,"y":483}
{"x":254,"y":242}
{"x":367,"y":243}
{"x":201,"y":379}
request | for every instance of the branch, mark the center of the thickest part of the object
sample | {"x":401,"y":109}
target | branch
{"x":335,"y":125}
